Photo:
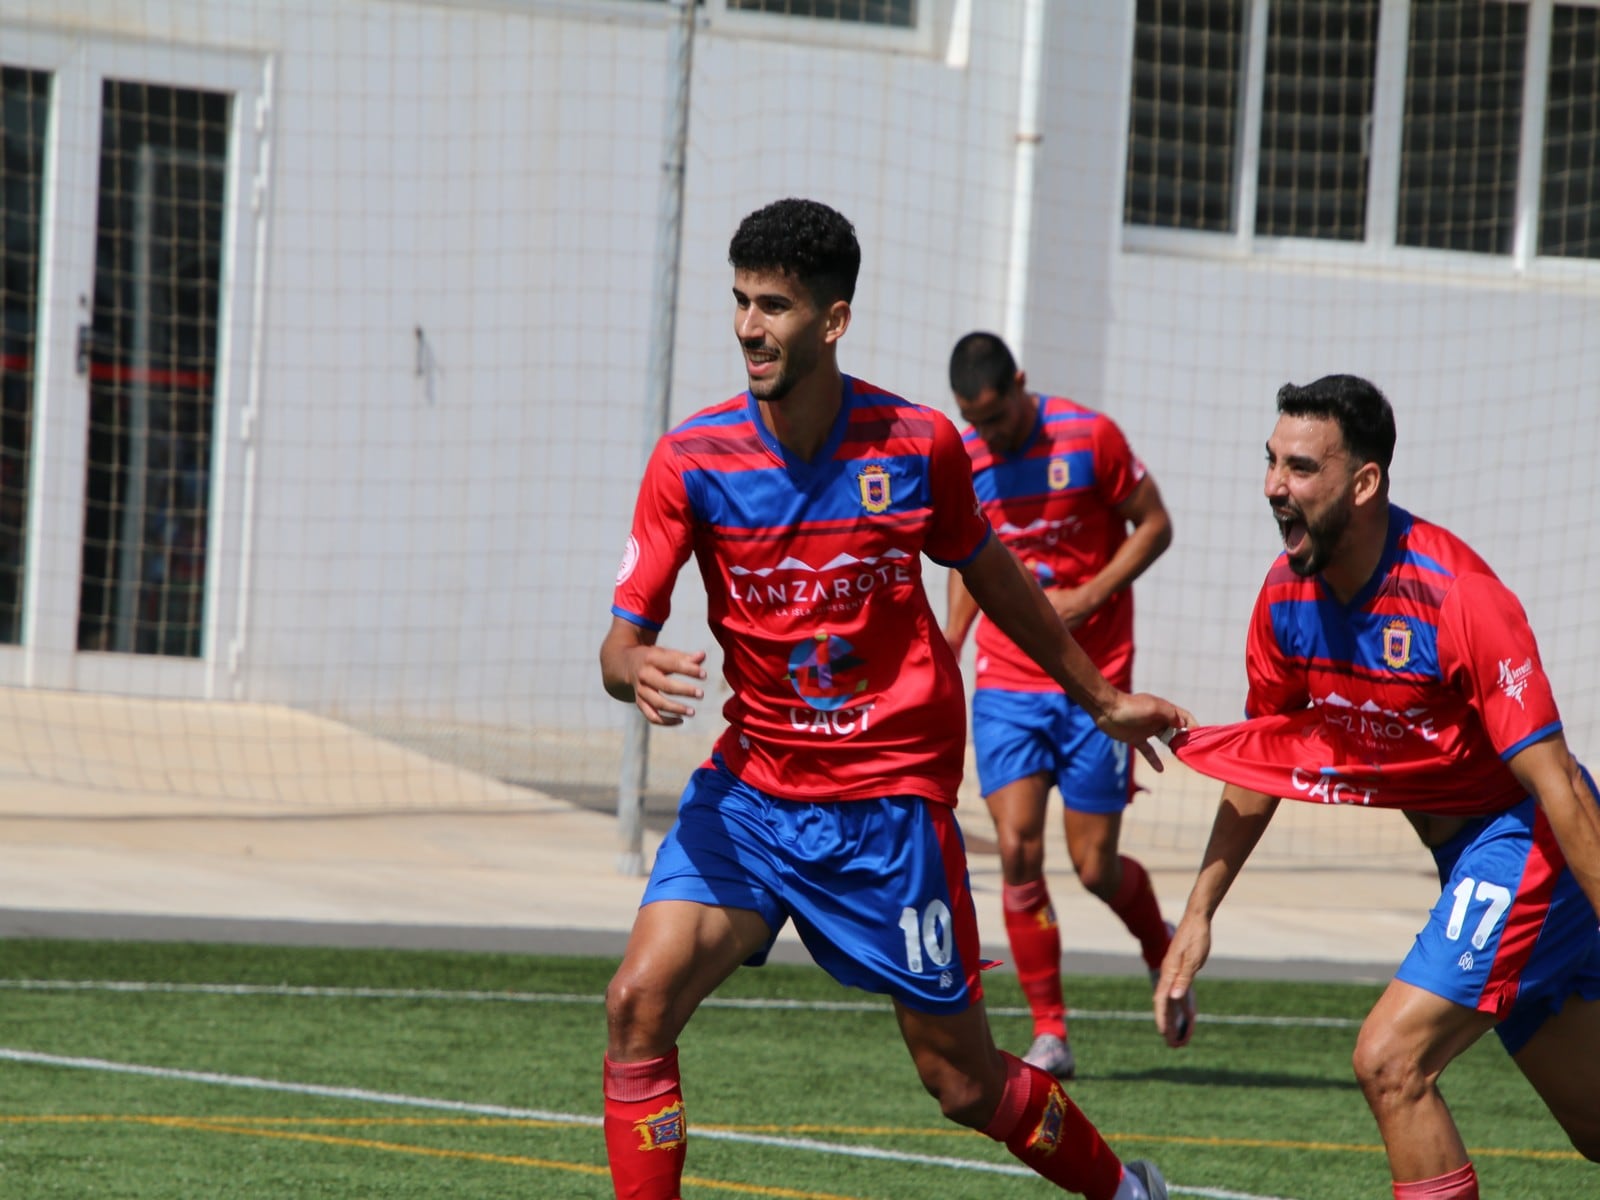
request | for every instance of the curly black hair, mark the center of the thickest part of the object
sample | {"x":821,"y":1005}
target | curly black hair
{"x":804,"y":239}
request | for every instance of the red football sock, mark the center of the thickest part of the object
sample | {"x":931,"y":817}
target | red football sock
{"x":1036,"y":947}
{"x":1135,"y":902}
{"x":1460,"y":1184}
{"x":645,"y":1129}
{"x":1048,"y":1132}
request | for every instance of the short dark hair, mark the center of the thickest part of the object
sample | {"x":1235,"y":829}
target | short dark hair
{"x":981,"y":361}
{"x":803,"y":239}
{"x":1365,"y":419}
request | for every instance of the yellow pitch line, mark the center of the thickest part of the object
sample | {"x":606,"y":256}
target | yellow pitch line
{"x":1169,"y":1139}
{"x":230,"y":1124}
{"x":235,"y":1125}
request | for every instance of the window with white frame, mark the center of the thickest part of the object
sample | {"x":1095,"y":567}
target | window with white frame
{"x":900,"y":14}
{"x":1276,"y":119}
{"x":1569,"y":225}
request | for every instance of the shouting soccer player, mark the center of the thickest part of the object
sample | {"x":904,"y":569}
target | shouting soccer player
{"x":1064,"y":491}
{"x":1389,"y":667}
{"x":808,"y":502}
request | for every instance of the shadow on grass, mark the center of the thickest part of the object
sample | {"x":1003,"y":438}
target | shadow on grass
{"x":1211,"y":1078}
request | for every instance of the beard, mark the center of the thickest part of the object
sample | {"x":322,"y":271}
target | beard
{"x":1320,"y":538}
{"x":793,"y":366}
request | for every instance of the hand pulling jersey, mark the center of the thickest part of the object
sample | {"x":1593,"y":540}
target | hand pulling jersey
{"x":1412,"y":696}
{"x":1053,"y":502}
{"x":842,"y":685}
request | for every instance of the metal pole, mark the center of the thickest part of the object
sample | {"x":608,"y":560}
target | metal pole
{"x":130,"y":534}
{"x":658,"y":401}
{"x":1016,"y":312}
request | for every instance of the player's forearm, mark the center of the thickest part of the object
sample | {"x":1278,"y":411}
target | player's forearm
{"x":1148,"y":541}
{"x":1242,"y":817}
{"x":1552,"y":776}
{"x":619,"y":658}
{"x":962,"y":610}
{"x":1009,"y":596}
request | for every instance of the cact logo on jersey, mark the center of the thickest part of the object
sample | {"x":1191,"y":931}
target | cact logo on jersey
{"x":826,"y":672}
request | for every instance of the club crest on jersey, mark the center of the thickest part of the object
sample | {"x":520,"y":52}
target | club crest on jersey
{"x":662,"y":1130}
{"x":1058,"y":474}
{"x":874,"y":483}
{"x":1046,"y":1137}
{"x":1397,"y":643}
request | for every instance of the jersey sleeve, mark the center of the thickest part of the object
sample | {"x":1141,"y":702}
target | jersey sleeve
{"x":958,"y":529}
{"x":1117,"y":470}
{"x":1274,"y":686}
{"x":659,"y":543}
{"x":1488,"y":652}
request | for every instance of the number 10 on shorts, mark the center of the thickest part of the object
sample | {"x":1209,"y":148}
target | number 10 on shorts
{"x":930,"y":931}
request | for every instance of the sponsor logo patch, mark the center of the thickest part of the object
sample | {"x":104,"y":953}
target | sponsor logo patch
{"x":1514,"y":680}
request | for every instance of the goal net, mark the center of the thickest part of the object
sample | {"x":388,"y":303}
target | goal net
{"x":325,"y":370}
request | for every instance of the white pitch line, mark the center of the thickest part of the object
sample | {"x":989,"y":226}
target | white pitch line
{"x":362,"y":993}
{"x":257,"y":1083}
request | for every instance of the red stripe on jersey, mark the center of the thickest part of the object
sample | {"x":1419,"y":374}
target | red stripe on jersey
{"x":739,"y":442}
{"x":1524,"y":919}
{"x":909,"y":518}
{"x":963,"y":914}
{"x":1426,"y":595}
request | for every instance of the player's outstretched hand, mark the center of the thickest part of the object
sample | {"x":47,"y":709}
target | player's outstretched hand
{"x":1136,"y":717}
{"x":1191,"y":946}
{"x":660,"y":675}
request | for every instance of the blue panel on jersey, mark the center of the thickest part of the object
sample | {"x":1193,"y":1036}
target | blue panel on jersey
{"x":1019,"y":478}
{"x":1322,"y":631}
{"x":770,"y":498}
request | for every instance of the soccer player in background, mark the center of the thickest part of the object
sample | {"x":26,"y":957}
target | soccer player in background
{"x":1388,"y":666}
{"x":1060,"y":487}
{"x":808,"y":501}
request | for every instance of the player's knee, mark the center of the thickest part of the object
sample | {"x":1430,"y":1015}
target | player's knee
{"x":634,"y":1009}
{"x":1021,"y":857}
{"x":1099,"y":874}
{"x":1387,"y":1070}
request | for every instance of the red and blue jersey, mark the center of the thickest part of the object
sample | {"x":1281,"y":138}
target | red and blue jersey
{"x":1412,"y":696}
{"x":842,"y":685}
{"x":1054,"y":503}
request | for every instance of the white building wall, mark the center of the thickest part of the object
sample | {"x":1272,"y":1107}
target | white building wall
{"x":441,"y":545}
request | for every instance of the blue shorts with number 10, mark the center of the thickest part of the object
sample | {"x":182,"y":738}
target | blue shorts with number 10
{"x":1017,"y":734}
{"x":1512,"y":933}
{"x":877,"y":889}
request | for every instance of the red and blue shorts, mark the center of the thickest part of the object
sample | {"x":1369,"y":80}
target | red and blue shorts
{"x":1017,"y":734}
{"x":877,"y":889}
{"x":1512,"y":932}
